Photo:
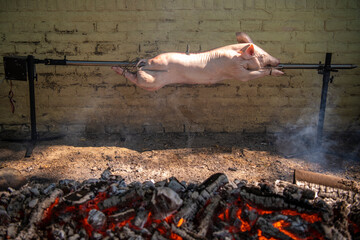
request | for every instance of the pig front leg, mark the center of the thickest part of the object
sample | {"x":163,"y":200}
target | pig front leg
{"x":264,"y":72}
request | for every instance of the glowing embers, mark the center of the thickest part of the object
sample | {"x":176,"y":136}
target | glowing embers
{"x":244,"y":220}
{"x":87,"y":216}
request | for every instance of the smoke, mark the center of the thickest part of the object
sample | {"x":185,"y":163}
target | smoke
{"x":301,"y":140}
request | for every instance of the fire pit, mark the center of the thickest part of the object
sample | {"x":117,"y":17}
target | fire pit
{"x":109,"y":208}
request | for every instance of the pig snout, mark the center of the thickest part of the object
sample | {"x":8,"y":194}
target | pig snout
{"x":273,"y":61}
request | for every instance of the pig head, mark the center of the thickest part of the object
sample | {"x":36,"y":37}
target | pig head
{"x":243,"y":61}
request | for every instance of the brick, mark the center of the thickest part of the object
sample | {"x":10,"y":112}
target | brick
{"x":294,"y":47}
{"x":271,"y":36}
{"x":121,"y":4}
{"x":24,"y":27}
{"x":208,"y":4}
{"x":259,"y":4}
{"x":82,"y":5}
{"x":220,"y":26}
{"x":315,"y":47}
{"x":199,"y":4}
{"x":172,"y":4}
{"x":24,"y":49}
{"x":353,"y":25}
{"x":229,"y":4}
{"x":313,"y":36}
{"x":314,"y":25}
{"x":353,"y":47}
{"x":6,"y":27}
{"x":44,"y":27}
{"x":335,"y":25}
{"x":334,"y":4}
{"x":251,"y":25}
{"x":218,"y":4}
{"x":293,"y":15}
{"x":255,"y":14}
{"x":108,"y":5}
{"x":280,"y":4}
{"x":300,"y":4}
{"x":24,"y":37}
{"x":11,"y":5}
{"x":353,"y":4}
{"x":351,"y":37}
{"x":7,"y":48}
{"x":289,"y":25}
{"x":56,"y":37}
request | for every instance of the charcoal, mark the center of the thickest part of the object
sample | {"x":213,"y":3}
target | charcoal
{"x":91,"y":181}
{"x":33,"y":203}
{"x":267,"y":188}
{"x":110,"y":233}
{"x":200,"y":196}
{"x":122,"y":216}
{"x":58,"y":234}
{"x":206,"y":221}
{"x":96,"y":219}
{"x":49,"y":189}
{"x":117,"y":188}
{"x":157,"y":236}
{"x":161,"y":183}
{"x":125,"y":199}
{"x":4,"y":216}
{"x":175,"y":185}
{"x":106,"y":175}
{"x":12,"y":230}
{"x":191,"y":187}
{"x":240,"y":183}
{"x":181,"y":233}
{"x":83,"y":234}
{"x":148,"y":185}
{"x":171,"y":209}
{"x":74,"y":237}
{"x":68,"y":185}
{"x":135,"y":185}
{"x":269,"y":230}
{"x":141,"y":217}
{"x":223,"y":234}
{"x":164,"y":202}
{"x":96,"y":236}
{"x":35,"y":191}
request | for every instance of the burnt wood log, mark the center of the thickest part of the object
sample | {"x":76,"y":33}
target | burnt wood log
{"x":198,"y":198}
{"x":206,"y":221}
{"x":122,"y":216}
{"x":269,"y":230}
{"x":181,"y":233}
{"x":322,"y":179}
{"x":127,"y":199}
{"x":141,"y":217}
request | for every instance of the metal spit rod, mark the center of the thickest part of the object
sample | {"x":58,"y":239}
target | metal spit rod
{"x":314,"y":66}
{"x":128,"y":64}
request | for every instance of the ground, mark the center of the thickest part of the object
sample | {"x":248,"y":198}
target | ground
{"x":188,"y":157}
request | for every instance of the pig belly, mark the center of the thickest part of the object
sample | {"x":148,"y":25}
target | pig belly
{"x":173,"y":68}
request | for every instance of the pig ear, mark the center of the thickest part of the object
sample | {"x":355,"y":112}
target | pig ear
{"x":249,"y":52}
{"x":242,"y":37}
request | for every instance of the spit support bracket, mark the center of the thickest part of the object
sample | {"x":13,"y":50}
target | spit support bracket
{"x":23,"y":69}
